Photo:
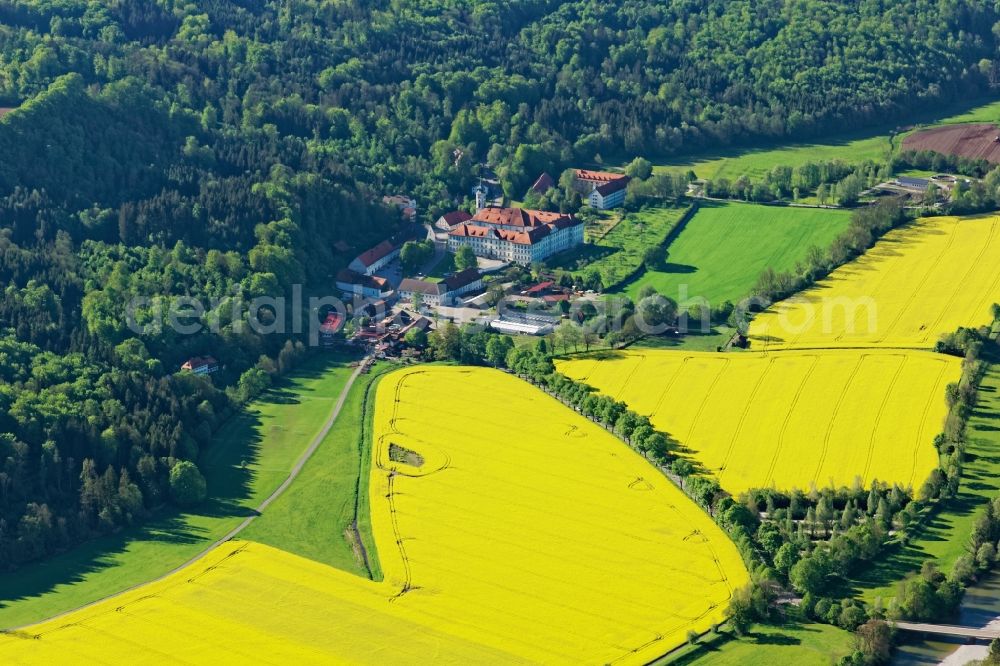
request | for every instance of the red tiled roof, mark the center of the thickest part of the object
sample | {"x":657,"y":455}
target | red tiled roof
{"x":532,"y":235}
{"x":371,"y":281}
{"x":456,"y":217}
{"x":518,"y":217}
{"x":540,"y":287}
{"x":332,"y":323}
{"x":612,"y":186}
{"x":598,"y":176}
{"x":369,"y":257}
{"x":543,"y":184}
{"x":198,"y":362}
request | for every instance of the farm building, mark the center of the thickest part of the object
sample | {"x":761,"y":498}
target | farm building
{"x":374,"y":309}
{"x":201,"y":365}
{"x":910,"y":183}
{"x":374,"y":258}
{"x":517,"y":324}
{"x":390,"y":329}
{"x":540,"y":289}
{"x":603,"y":189}
{"x":444,"y":292}
{"x":359,"y":284}
{"x":517,"y":234}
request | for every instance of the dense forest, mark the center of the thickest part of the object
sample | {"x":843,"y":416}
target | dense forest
{"x":226,"y":149}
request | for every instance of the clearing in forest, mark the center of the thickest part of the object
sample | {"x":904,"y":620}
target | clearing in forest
{"x":724,"y":247}
{"x":526,"y":534}
{"x":788,"y":420}
{"x":918,"y":283}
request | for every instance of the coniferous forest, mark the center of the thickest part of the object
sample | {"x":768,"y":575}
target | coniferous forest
{"x":227,"y":149}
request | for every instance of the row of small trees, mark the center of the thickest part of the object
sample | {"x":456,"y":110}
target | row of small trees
{"x":866,"y":227}
{"x":808,"y":541}
{"x":832,"y":182}
{"x":536,"y":366}
{"x":812,"y":541}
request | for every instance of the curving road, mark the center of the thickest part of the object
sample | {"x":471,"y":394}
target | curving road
{"x":292,"y":474}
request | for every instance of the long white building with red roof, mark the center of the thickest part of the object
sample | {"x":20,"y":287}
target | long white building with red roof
{"x":517,"y":234}
{"x":603,"y":189}
{"x":375,"y":258}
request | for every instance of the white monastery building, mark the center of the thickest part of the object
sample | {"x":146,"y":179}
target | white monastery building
{"x":603,"y":189}
{"x":517,"y":234}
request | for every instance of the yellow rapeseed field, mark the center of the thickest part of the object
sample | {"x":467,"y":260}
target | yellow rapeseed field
{"x":917,"y":283}
{"x":514,"y":532}
{"x":790,"y":419}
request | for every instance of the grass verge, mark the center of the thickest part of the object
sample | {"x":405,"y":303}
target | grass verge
{"x":325,"y":514}
{"x":791,"y":642}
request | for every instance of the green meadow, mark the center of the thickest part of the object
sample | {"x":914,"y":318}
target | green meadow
{"x":724,"y":247}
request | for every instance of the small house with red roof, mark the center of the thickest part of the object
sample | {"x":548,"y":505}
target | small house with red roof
{"x":330,"y":327}
{"x":539,"y":290}
{"x":201,"y":365}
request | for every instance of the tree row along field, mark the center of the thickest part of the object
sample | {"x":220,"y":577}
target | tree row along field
{"x":791,"y":420}
{"x":858,"y":400}
{"x":918,"y":283}
{"x":487,"y":523}
{"x":947,"y":538}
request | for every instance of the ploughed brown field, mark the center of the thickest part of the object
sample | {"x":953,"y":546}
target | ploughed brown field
{"x":974,"y":141}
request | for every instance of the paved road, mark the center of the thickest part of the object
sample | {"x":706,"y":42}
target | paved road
{"x":296,"y":469}
{"x":950,"y":630}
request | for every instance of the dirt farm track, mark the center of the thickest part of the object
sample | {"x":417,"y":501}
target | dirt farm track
{"x":976,"y":141}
